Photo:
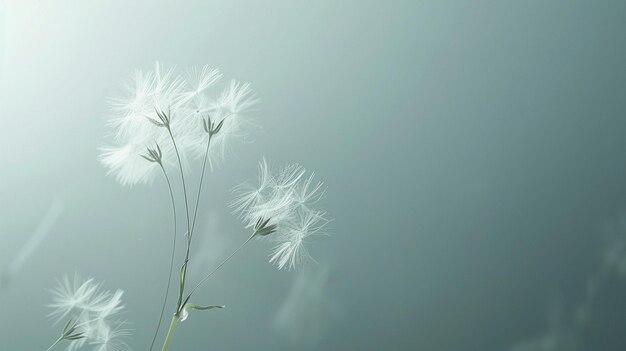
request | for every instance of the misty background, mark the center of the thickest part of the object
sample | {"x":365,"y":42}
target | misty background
{"x":474,"y":154}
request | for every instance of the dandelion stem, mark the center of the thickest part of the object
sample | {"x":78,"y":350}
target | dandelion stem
{"x":170,"y":332}
{"x":183,"y":273}
{"x":55,"y":343}
{"x":169,"y":277}
{"x":219,"y":266}
{"x":182,"y":177}
{"x":195,"y":212}
{"x":176,"y":316}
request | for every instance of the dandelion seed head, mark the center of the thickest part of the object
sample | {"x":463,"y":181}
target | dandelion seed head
{"x":126,"y":163}
{"x":287,"y":200}
{"x":94,"y":311}
{"x":186,"y":99}
{"x":232,"y":107}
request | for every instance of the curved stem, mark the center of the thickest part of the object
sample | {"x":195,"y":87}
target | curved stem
{"x":190,"y":228}
{"x":219,"y":266}
{"x":176,"y":316}
{"x":169,"y":277}
{"x":195,"y":212}
{"x":182,"y":177}
{"x":54,"y":344}
{"x":183,"y":272}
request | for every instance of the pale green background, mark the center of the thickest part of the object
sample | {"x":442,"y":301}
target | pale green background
{"x":473,"y":152}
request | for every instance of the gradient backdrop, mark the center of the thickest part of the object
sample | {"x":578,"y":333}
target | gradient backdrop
{"x":474,"y":153}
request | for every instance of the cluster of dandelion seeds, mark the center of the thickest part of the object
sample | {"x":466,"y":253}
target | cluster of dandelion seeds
{"x":91,"y":315}
{"x":189,"y":100}
{"x":167,"y":120}
{"x":287,"y":200}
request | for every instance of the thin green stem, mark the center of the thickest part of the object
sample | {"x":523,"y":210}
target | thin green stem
{"x":183,"y":273}
{"x":176,"y":316}
{"x":55,"y":343}
{"x":170,"y":332}
{"x":195,"y":212}
{"x":182,"y":177}
{"x":219,"y":266}
{"x":169,"y":276}
{"x":190,"y":228}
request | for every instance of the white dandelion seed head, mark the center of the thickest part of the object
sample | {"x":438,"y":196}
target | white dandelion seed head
{"x":156,"y":89}
{"x":232,"y":108}
{"x":126,"y":163}
{"x":287,"y":199}
{"x":93,"y":311}
{"x":186,"y":99}
{"x":270,"y":199}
